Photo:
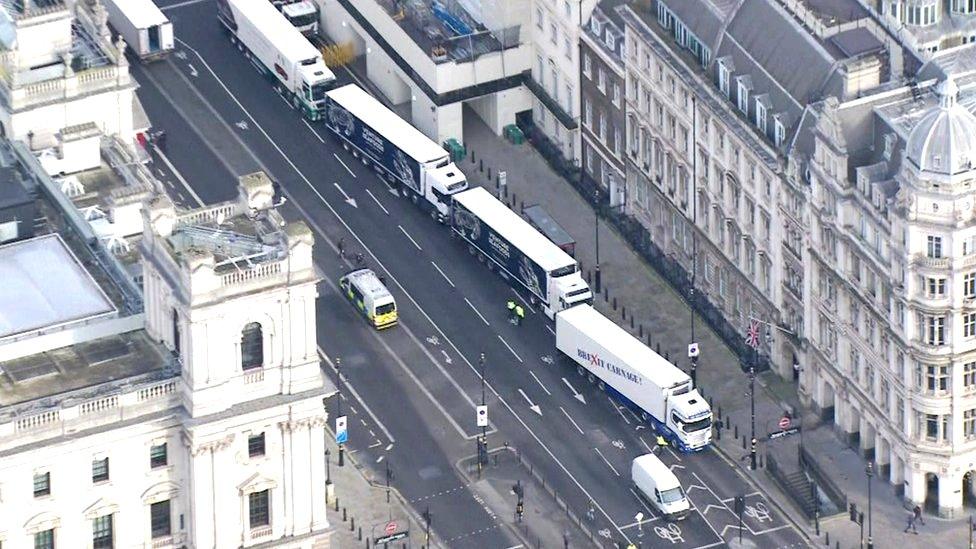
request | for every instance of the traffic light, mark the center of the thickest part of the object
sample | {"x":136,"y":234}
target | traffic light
{"x":852,"y":508}
{"x":860,"y":518}
{"x":739,"y":504}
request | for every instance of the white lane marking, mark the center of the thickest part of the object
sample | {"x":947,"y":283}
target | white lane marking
{"x":347,"y":385}
{"x":388,"y":447}
{"x":378,"y":203}
{"x":511,"y":349}
{"x":379,"y":459}
{"x":565,"y":413}
{"x":475,"y":309}
{"x":350,"y":201}
{"x":178,"y":175}
{"x":317,"y":228}
{"x":649,"y":510}
{"x":315,"y":133}
{"x":614,"y":404}
{"x":576,"y":394}
{"x":610,"y":465}
{"x":551,"y":331}
{"x":523,"y":300}
{"x":644,"y":442}
{"x":442,"y":274}
{"x":343,"y":164}
{"x":181,"y":4}
{"x":531,"y":373}
{"x":533,"y":406}
{"x":406,"y":234}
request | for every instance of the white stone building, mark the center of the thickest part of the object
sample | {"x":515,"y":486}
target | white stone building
{"x":930,"y":25}
{"x":196,"y":423}
{"x":59,"y":71}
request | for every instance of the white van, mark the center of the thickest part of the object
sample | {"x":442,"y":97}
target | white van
{"x":368,"y":294}
{"x":659,"y":487}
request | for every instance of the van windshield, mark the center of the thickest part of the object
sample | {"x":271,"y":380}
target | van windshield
{"x":673,"y":495}
{"x":385,"y":308}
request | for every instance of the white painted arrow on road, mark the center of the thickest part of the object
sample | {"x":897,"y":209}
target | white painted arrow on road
{"x":576,"y":394}
{"x":447,"y":357}
{"x":350,"y":201}
{"x":193,"y":71}
{"x":534,"y":407}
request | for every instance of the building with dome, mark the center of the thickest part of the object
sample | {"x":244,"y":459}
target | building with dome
{"x":836,"y":203}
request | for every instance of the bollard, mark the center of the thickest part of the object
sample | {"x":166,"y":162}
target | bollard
{"x":827,"y":541}
{"x":521,"y":205}
{"x":648,"y":339}
{"x":343,"y":514}
{"x":761,"y":461}
{"x":472,"y":156}
{"x":631,"y":322}
{"x":337,"y":504}
{"x":360,"y":533}
{"x":667,"y":356}
{"x":836,"y":545}
{"x":720,"y":413}
{"x":481,"y":165}
{"x":352,"y":524}
{"x":614,"y":303}
{"x":623,"y":312}
{"x":367,"y":543}
{"x":489,"y":173}
{"x":718,"y":432}
{"x":640,"y":331}
{"x":727,"y":423}
{"x":505,"y":190}
{"x":658,"y":348}
{"x":736,"y":430}
{"x":588,"y":273}
{"x":743,"y":443}
{"x":606,"y":293}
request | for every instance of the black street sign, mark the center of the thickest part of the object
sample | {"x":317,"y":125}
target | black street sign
{"x":784,"y":433}
{"x":391,"y":537}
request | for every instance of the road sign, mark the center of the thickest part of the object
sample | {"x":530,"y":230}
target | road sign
{"x":391,"y":528}
{"x":342,"y":434}
{"x":784,"y":423}
{"x":383,"y":540}
{"x":784,"y":433}
{"x":692,"y":350}
{"x":482,"y":419}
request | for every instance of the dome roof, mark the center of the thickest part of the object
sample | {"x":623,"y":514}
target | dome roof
{"x":944,"y":140}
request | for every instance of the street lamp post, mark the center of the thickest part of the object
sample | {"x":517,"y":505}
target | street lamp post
{"x":694,"y":235}
{"x":328,"y":467}
{"x":483,"y":441}
{"x":596,"y":224}
{"x":338,"y":364}
{"x":752,"y":408}
{"x":870,"y":474}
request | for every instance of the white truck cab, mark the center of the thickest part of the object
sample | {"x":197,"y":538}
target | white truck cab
{"x":444,"y":180}
{"x":570,"y":290}
{"x":303,"y":15}
{"x":659,"y":487}
{"x":690,"y":417}
{"x":316,"y":80}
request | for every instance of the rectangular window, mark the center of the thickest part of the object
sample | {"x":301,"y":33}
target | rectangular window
{"x":743,"y":98}
{"x":258,"y":509}
{"x":587,"y":65}
{"x":934,"y":248}
{"x":969,"y":423}
{"x":553,"y":33}
{"x":969,"y":375}
{"x":159,"y":518}
{"x":617,"y":141}
{"x":587,"y":113}
{"x":969,"y":285}
{"x":935,"y":330}
{"x":761,"y":116}
{"x":99,"y":470}
{"x":931,"y":427}
{"x":936,"y":287}
{"x":44,"y":540}
{"x":539,"y":18}
{"x":102,"y":532}
{"x":603,"y":127}
{"x":569,"y":98}
{"x":602,"y":79}
{"x":255,"y":445}
{"x":616,"y":94}
{"x":937,"y":379}
{"x":157,"y":456}
{"x":969,"y":324}
{"x":42,"y":484}
{"x":567,"y":48}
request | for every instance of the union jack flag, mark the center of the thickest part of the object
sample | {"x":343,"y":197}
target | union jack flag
{"x":752,"y":335}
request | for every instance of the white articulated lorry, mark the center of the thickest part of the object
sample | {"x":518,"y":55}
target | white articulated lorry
{"x":302,"y":14}
{"x":524,"y":257}
{"x":409,"y":160}
{"x":148,"y":33}
{"x":279,"y":51}
{"x":639,"y":378}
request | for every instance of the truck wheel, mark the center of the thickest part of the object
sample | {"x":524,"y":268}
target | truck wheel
{"x":414,"y":198}
{"x":533,"y":299}
{"x":580,"y":371}
{"x":345,"y":145}
{"x":433,"y":215}
{"x":644,"y":416}
{"x":471,"y":249}
{"x":589,"y":377}
{"x":294,"y":103}
{"x":600,"y":385}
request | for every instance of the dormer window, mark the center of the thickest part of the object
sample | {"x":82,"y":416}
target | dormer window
{"x":724,"y":77}
{"x":596,"y":27}
{"x":760,"y":115}
{"x":611,"y":41}
{"x":743,"y":94}
{"x":779,"y":132}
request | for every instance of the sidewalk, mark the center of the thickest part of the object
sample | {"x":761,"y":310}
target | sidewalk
{"x":654,"y":304}
{"x":362,"y":506}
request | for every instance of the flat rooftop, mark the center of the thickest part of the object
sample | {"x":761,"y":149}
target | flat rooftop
{"x":443,"y":29}
{"x":80,"y":366}
{"x":45,"y":286}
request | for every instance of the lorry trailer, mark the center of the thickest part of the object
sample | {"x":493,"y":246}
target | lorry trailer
{"x":279,"y":52}
{"x":656,"y":390}
{"x":143,"y":26}
{"x":522,"y":255}
{"x":417,"y":167}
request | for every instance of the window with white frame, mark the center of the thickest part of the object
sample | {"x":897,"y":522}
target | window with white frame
{"x":602,"y":79}
{"x":553,"y":33}
{"x":761,"y":116}
{"x":611,"y":41}
{"x":567,"y":47}
{"x":743,"y":96}
{"x":779,"y":132}
{"x":969,"y":325}
{"x":587,"y":113}
{"x":934,"y":329}
{"x":587,"y":65}
{"x":969,"y":376}
{"x":616,"y":93}
{"x":969,"y":424}
{"x":569,"y":98}
{"x":540,"y":67}
{"x":540,"y":18}
{"x":595,"y":26}
{"x":724,"y":77}
{"x":567,"y":9}
{"x":616,"y":141}
{"x":934,"y":246}
{"x":603,"y":126}
{"x":969,"y":285}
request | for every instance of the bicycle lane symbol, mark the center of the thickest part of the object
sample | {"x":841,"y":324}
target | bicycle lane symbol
{"x":759,"y":512}
{"x":671,"y":533}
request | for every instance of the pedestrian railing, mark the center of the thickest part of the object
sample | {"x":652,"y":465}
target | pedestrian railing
{"x":824,"y":481}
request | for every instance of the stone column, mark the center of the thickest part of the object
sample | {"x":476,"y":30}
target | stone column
{"x":287,"y":494}
{"x":950,"y":495}
{"x":915,"y":487}
{"x":318,"y":504}
{"x":211,"y":523}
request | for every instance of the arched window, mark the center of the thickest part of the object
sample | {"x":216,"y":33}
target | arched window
{"x":252,"y":347}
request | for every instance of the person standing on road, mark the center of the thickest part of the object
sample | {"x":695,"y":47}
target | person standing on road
{"x":911,"y":524}
{"x":342,"y":247}
{"x":917,"y":513}
{"x":511,"y":310}
{"x":519,"y":315}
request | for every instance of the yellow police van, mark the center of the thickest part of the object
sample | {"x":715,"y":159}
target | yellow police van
{"x":364,"y":289}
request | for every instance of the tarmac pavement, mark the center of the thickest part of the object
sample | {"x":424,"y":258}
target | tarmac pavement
{"x":652,"y":303}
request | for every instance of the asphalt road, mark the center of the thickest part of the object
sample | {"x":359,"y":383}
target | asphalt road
{"x":416,"y":385}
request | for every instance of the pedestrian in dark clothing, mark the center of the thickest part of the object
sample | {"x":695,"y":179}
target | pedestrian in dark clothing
{"x":360,"y":259}
{"x":342,"y":248}
{"x":917,"y":513}
{"x":911,"y":524}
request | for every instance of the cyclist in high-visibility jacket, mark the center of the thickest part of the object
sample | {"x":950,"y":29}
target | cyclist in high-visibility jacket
{"x":519,"y":314}
{"x":511,"y":310}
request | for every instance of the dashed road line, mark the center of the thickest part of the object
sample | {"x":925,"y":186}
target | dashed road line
{"x":343,"y":164}
{"x":378,"y":203}
{"x":610,"y":465}
{"x":449,"y":281}
{"x":565,"y":413}
{"x":477,"y":312}
{"x":406,"y":234}
{"x":614,"y":404}
{"x":502,"y":339}
{"x":551,"y":331}
{"x":531,"y":373}
{"x":313,"y":131}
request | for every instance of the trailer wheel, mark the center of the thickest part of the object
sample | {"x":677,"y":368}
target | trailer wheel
{"x":414,"y":198}
{"x":433,"y":215}
{"x":644,"y":416}
{"x":580,"y":371}
{"x":345,"y":145}
{"x":470,"y":249}
{"x":589,"y":377}
{"x":533,"y":299}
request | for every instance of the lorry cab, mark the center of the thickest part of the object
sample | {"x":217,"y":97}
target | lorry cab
{"x":656,"y":484}
{"x":444,"y":180}
{"x":316,"y":79}
{"x":303,"y":15}
{"x":368,"y":294}
{"x":689,"y":418}
{"x":568,"y":288}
